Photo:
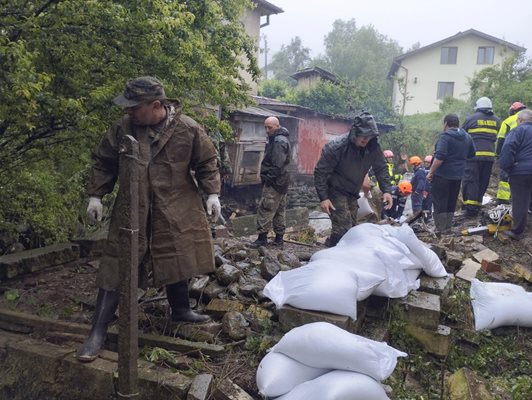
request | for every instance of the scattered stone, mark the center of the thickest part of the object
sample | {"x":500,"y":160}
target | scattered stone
{"x":200,"y":387}
{"x":269,"y":267}
{"x":212,"y":291}
{"x":436,"y":342}
{"x":219,"y":307}
{"x":197,"y":332}
{"x":227,"y":274}
{"x":486,"y":254}
{"x":422,"y":309}
{"x":464,"y":384}
{"x":197,"y":286}
{"x":304,"y":256}
{"x":439,"y":249}
{"x":469,"y":270}
{"x":524,"y":272}
{"x":234,"y":325}
{"x":453,"y":261}
{"x":289,"y":259}
{"x":259,"y":312}
{"x":220,"y":260}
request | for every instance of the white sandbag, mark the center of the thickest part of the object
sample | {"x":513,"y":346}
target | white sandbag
{"x":323,"y":345}
{"x":315,"y":289}
{"x":431,"y":264}
{"x":278,"y":374}
{"x":364,"y":208}
{"x":338,"y":385}
{"x":386,"y":262}
{"x":500,"y":304}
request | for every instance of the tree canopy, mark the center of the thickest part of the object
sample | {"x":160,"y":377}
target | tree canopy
{"x":289,"y":59}
{"x":62,"y":61}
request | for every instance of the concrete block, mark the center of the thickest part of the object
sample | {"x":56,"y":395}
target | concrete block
{"x":228,"y":390}
{"x":422,"y":309}
{"x":438,"y":286}
{"x":436,"y":342}
{"x":486,"y":254}
{"x":92,"y":244}
{"x":201,"y":387}
{"x":291,"y":317}
{"x":464,"y":384}
{"x":469,"y":271}
{"x":453,"y":261}
{"x":28,"y":261}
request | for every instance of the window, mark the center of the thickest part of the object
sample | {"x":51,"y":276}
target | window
{"x":445,"y":89}
{"x":448,"y":55}
{"x":485,"y":55}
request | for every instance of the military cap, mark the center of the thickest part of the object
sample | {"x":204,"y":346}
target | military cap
{"x":140,"y":90}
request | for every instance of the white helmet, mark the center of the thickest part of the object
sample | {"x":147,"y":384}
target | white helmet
{"x":483,"y":102}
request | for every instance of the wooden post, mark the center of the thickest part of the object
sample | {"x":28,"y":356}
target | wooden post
{"x":128,"y":211}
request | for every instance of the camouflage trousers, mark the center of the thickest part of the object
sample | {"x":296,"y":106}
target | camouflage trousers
{"x":271,"y":210}
{"x":343,"y":218}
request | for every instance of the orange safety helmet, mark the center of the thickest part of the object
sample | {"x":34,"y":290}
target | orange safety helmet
{"x":387,"y":153}
{"x":405,"y":187}
{"x":414,"y":160}
{"x":428,"y":159}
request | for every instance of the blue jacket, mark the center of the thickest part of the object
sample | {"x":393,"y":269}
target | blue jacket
{"x":454,"y":147}
{"x":419,"y":180}
{"x":516,"y":153}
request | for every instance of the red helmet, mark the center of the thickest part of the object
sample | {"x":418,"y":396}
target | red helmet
{"x":387,"y":153}
{"x":428,"y":159}
{"x":517,"y":106}
{"x":405,"y":187}
{"x":414,"y":160}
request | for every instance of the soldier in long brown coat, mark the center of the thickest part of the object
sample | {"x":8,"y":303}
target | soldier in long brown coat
{"x":176,"y":159}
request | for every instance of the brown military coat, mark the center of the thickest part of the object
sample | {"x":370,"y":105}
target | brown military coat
{"x":174,"y":235}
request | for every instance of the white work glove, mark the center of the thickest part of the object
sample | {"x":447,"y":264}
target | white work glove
{"x":213,"y":204}
{"x":95,"y":209}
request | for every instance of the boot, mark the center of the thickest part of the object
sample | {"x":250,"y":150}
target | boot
{"x":278,"y":241}
{"x":262,"y":240}
{"x":177,"y":294}
{"x":449,"y":224}
{"x":106,"y":305}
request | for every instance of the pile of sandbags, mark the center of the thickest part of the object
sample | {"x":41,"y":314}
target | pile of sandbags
{"x":500,"y":304}
{"x":322,"y":361}
{"x":369,"y":259}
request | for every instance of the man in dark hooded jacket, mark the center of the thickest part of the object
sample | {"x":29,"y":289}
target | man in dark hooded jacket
{"x":453,"y":148}
{"x":341,"y":169}
{"x":275,"y":180}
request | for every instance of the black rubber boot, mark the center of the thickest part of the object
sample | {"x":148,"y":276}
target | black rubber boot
{"x":262,"y":240}
{"x":106,"y":305}
{"x":177,"y":294}
{"x":278,"y":241}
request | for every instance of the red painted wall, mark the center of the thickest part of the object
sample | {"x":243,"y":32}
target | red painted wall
{"x":313,"y":133}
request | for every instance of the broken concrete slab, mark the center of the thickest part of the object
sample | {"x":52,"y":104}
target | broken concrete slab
{"x":228,"y":390}
{"x":438,"y":286}
{"x":437,"y":342}
{"x":200,"y":387}
{"x":486,"y":254}
{"x":453,"y":261}
{"x":92,"y":244}
{"x":490,"y":266}
{"x":464,"y":384}
{"x":524,"y":272}
{"x":422,"y":309}
{"x":34,"y":260}
{"x":469,"y":270}
{"x":291,"y":317}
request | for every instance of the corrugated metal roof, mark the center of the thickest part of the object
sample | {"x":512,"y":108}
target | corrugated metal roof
{"x":262,"y":112}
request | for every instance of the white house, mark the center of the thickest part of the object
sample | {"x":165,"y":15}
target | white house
{"x":253,"y":20}
{"x":423,"y":77}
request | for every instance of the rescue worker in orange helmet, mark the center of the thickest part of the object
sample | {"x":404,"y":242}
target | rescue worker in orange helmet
{"x":418,"y":183}
{"x":400,"y":194}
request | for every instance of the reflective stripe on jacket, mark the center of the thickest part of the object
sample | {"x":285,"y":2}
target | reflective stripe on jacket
{"x":483,"y":126}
